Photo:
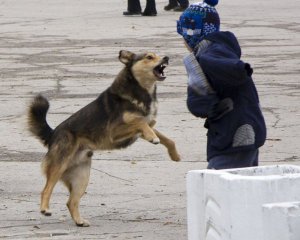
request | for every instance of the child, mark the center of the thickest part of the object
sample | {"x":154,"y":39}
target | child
{"x":220,"y":89}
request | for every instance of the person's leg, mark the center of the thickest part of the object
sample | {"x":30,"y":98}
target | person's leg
{"x":133,"y":7}
{"x":150,"y":9}
{"x":234,"y":160}
{"x":172,"y":4}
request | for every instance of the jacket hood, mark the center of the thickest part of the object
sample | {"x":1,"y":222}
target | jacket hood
{"x":226,"y":38}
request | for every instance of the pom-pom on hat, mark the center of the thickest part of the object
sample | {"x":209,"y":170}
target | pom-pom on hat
{"x":197,"y":21}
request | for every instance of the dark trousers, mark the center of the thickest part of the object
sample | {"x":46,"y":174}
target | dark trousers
{"x":135,"y":6}
{"x":182,"y":3}
{"x":234,"y":160}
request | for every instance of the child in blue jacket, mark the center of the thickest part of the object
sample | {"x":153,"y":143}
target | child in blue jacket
{"x":220,"y":89}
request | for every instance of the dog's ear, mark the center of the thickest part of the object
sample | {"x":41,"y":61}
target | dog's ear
{"x":126,"y":56}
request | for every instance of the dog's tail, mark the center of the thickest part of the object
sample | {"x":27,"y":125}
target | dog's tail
{"x":38,"y":125}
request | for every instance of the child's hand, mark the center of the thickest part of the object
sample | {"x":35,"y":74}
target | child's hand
{"x":219,"y":109}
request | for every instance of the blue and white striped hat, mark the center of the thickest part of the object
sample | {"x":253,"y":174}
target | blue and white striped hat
{"x":197,"y":21}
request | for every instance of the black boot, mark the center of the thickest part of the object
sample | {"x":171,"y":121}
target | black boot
{"x":172,"y":4}
{"x":183,"y":4}
{"x":180,"y":8}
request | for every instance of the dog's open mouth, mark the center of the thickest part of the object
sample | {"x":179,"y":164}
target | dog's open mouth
{"x":159,"y":71}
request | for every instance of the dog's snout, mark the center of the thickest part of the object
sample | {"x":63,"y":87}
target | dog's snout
{"x":166,"y":59}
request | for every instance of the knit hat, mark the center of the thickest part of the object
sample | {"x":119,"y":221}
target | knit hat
{"x":197,"y":21}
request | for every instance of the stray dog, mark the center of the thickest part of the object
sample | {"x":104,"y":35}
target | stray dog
{"x":120,"y":115}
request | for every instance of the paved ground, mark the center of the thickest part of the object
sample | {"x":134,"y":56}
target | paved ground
{"x":68,"y":51}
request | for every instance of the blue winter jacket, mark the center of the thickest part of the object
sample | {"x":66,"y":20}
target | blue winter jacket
{"x":241,"y":126}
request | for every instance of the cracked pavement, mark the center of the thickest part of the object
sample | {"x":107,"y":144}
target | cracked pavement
{"x":68,"y":51}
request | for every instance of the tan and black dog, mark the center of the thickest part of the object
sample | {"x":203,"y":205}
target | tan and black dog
{"x":117,"y":118}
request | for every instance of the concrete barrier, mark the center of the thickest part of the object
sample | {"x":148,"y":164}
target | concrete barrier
{"x":281,"y":221}
{"x":228,"y":204}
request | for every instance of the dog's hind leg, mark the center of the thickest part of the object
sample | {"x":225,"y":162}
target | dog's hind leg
{"x":55,"y":164}
{"x":76,"y":179}
{"x":169,"y":144}
{"x":53,"y":174}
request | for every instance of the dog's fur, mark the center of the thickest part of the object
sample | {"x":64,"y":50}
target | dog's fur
{"x":117,"y":118}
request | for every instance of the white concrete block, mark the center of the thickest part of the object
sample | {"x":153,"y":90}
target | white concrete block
{"x":281,"y":221}
{"x":227,"y":204}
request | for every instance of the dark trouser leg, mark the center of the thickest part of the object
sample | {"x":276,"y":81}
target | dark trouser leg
{"x":173,"y":2}
{"x":134,"y":6}
{"x":150,"y":7}
{"x":234,"y":160}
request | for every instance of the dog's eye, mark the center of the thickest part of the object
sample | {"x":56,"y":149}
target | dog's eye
{"x":149,"y":57}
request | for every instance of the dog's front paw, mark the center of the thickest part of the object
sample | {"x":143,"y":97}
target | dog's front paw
{"x":155,"y":141}
{"x":83,"y":223}
{"x":46,"y":212}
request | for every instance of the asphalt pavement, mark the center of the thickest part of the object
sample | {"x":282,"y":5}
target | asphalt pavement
{"x":68,"y":51}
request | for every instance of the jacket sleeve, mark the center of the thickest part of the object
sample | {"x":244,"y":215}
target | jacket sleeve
{"x":196,"y":77}
{"x":200,"y":105}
